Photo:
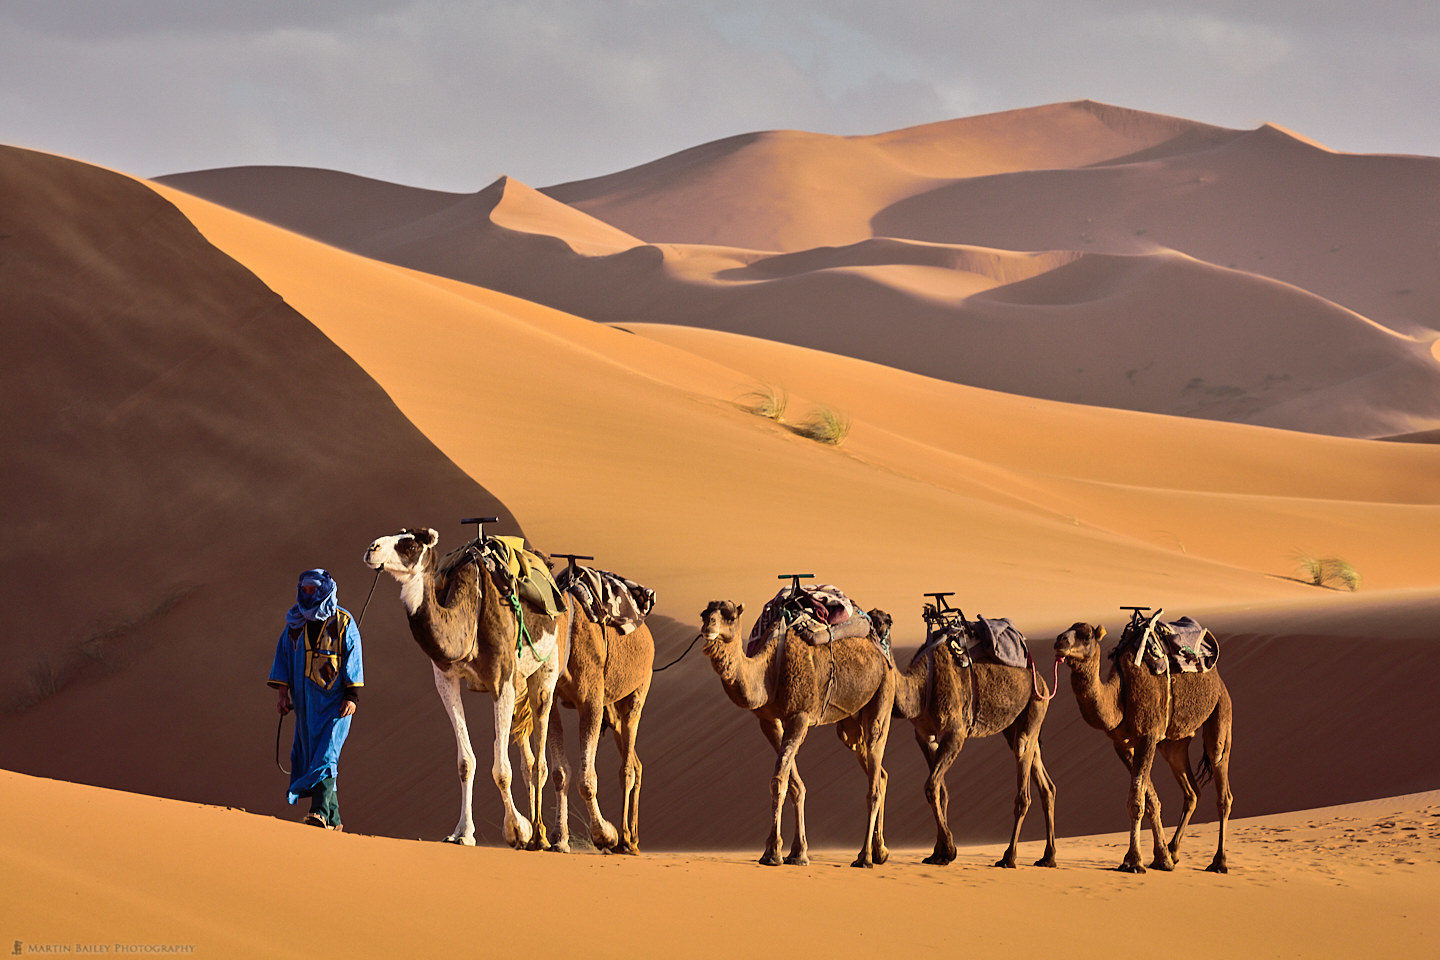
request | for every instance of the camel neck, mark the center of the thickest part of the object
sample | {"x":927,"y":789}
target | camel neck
{"x":910,"y":687}
{"x":444,"y":632}
{"x":742,"y":677}
{"x":1099,"y":700}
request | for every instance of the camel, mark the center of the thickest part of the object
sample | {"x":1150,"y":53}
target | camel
{"x":1143,"y":713}
{"x":948,"y":705}
{"x":470,"y":633}
{"x":792,"y":686}
{"x":607,"y":674}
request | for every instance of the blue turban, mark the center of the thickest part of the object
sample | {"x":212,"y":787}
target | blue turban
{"x":321,"y":605}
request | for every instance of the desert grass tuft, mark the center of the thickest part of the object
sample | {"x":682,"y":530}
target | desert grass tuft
{"x":1332,"y":572}
{"x":825,"y":425}
{"x":767,"y":400}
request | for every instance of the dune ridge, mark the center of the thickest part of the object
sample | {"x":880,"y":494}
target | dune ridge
{"x":1251,"y":276}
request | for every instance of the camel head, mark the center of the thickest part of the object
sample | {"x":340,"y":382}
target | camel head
{"x":1078,"y":644}
{"x":880,"y":624}
{"x":720,"y":622}
{"x":402,"y":555}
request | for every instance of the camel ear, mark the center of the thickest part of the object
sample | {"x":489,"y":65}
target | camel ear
{"x":1099,"y":632}
{"x":431,"y":537}
{"x":739,"y":609}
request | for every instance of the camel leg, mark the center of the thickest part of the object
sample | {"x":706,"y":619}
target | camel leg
{"x":626,"y":728}
{"x":851,"y":733}
{"x":517,"y":828}
{"x":449,"y":690}
{"x":799,"y":854}
{"x":1218,"y":732}
{"x":878,"y":851}
{"x":1177,"y":754}
{"x":1143,"y":759}
{"x":792,"y":736}
{"x":876,"y":730}
{"x":1127,"y":755}
{"x":940,"y":756}
{"x":602,"y":833}
{"x":1047,"y":804}
{"x":1023,"y":743}
{"x":560,"y":763}
{"x":540,"y":688}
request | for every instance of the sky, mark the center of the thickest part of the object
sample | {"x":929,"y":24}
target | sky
{"x":450,"y":94}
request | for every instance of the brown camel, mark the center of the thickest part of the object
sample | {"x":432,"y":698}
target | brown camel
{"x":948,"y":705}
{"x":792,"y":686}
{"x":1142,"y":713}
{"x":470,"y":633}
{"x":607,"y":674}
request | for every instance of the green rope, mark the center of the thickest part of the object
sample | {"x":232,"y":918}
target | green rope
{"x":524,"y":638}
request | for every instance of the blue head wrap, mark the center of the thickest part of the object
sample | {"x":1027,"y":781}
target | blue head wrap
{"x":321,"y":605}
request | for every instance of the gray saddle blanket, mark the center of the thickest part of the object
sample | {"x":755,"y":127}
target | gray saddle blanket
{"x":608,"y":598}
{"x":1176,"y":646}
{"x":819,"y":614}
{"x":984,"y":639}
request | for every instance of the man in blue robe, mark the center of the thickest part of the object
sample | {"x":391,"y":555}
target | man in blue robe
{"x":318,"y":672}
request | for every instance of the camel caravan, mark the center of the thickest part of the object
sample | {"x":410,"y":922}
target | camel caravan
{"x":492,"y":616}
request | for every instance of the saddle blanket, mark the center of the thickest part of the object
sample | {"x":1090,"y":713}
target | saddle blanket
{"x":608,"y":598}
{"x":1176,"y":646}
{"x":819,"y":614}
{"x":984,"y":639}
{"x":520,"y":571}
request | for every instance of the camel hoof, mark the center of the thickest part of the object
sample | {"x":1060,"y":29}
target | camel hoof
{"x":880,"y":856}
{"x":1217,"y":866}
{"x":797,"y":861}
{"x":937,"y":860}
{"x":863,"y":863}
{"x":604,"y":836}
{"x":1164,"y":866}
{"x":1047,"y":861}
{"x":769,"y":860}
{"x":626,"y":849}
{"x":1130,"y":868}
{"x":1006,"y":863}
{"x":562,"y":847}
{"x":518,"y":833}
{"x":461,"y":841}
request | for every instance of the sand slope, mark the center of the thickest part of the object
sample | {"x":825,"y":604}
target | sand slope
{"x":179,"y":444}
{"x":631,"y":447}
{"x":1337,"y":882}
{"x":1043,"y":510}
{"x":1184,"y":269}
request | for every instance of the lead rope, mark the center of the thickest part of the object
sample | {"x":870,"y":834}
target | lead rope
{"x":1035,"y":677}
{"x":280,"y":723}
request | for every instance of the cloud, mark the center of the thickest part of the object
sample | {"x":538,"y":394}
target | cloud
{"x":451,"y":93}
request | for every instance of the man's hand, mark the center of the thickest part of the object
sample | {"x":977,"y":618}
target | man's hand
{"x":283,"y":704}
{"x":348,"y":708}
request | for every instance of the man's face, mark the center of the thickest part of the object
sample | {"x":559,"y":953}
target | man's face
{"x":307,"y":590}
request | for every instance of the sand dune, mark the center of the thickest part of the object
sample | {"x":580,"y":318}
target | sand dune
{"x":1040,"y":509}
{"x":631,"y":447}
{"x":1248,"y":276}
{"x":788,"y":190}
{"x":1331,"y":882}
{"x":179,"y":445}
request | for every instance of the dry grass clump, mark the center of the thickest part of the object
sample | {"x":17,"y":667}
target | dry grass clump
{"x":824,"y":425}
{"x":767,"y":400}
{"x":1333,"y":572}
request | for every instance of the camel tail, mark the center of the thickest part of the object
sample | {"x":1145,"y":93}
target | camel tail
{"x":1206,"y":772}
{"x":522,"y":720}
